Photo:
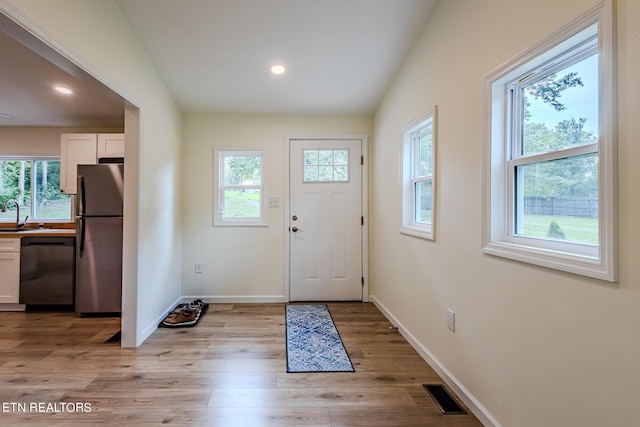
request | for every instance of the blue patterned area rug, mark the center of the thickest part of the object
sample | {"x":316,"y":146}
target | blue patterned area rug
{"x":313,"y":342}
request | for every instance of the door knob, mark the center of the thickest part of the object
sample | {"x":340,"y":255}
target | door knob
{"x":295,"y":229}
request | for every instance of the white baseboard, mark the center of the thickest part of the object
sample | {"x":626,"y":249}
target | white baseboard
{"x":238,"y":299}
{"x":146,"y":333}
{"x":474,"y":405}
{"x":12,"y":307}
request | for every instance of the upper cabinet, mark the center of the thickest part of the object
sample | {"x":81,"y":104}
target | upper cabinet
{"x":85,"y":149}
{"x":75,"y":149}
{"x":110,"y":145}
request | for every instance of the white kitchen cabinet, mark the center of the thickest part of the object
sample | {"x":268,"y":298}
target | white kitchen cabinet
{"x":110,"y":145}
{"x":75,"y":149}
{"x":85,"y":149}
{"x":9,"y":270}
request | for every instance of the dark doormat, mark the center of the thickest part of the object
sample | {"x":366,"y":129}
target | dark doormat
{"x":443,"y":399}
{"x":185,"y":315}
{"x":114,"y":338}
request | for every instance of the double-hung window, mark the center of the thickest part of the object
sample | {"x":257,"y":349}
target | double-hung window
{"x":549,"y":174}
{"x":34,"y":184}
{"x":239,"y":197}
{"x":419,"y":177}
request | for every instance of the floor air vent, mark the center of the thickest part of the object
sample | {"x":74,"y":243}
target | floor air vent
{"x":114,"y":338}
{"x":443,"y":399}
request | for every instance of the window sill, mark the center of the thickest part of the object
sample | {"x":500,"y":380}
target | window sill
{"x":240,"y":224}
{"x":422,"y":233}
{"x":570,"y":263}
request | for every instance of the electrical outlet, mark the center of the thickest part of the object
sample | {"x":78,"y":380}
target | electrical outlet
{"x":451,"y":320}
{"x":198,"y":267}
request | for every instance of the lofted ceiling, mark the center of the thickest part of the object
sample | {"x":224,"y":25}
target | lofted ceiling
{"x":214,"y":55}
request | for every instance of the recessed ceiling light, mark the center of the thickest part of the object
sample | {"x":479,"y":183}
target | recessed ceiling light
{"x":277,"y":69}
{"x":63,"y":90}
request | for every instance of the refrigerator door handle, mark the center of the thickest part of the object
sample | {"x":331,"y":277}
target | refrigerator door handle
{"x":81,"y":237}
{"x":80,"y":206}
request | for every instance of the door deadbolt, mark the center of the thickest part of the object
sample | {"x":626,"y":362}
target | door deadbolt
{"x":295,"y":218}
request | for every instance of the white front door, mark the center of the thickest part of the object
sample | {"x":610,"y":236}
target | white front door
{"x":325,"y":223}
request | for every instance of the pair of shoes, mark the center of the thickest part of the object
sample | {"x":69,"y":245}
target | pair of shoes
{"x":186,"y":317}
{"x":185,"y":314}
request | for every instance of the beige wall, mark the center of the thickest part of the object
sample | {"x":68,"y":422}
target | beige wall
{"x":536,"y":347}
{"x":24,"y":141}
{"x":96,"y":36}
{"x":241,"y":263}
{"x":38,"y":141}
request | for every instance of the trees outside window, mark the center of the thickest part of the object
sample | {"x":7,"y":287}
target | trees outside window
{"x":35,"y":185}
{"x":554,"y":158}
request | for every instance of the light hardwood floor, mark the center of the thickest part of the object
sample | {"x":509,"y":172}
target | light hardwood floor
{"x":229,"y":370}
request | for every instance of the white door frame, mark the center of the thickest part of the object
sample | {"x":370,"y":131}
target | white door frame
{"x":365,"y":205}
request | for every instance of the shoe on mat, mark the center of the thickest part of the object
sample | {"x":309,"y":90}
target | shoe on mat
{"x":176,"y":311}
{"x":185,"y":317}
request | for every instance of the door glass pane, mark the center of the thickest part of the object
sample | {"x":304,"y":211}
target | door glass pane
{"x":325,"y":157}
{"x":340,"y":173}
{"x":559,"y":199}
{"x":325,"y":173}
{"x":310,"y":173}
{"x":340,"y":157}
{"x":561,"y":110}
{"x":310,"y":157}
{"x":326,"y":166}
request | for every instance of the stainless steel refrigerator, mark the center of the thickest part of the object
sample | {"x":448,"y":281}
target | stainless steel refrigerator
{"x":99,"y":238}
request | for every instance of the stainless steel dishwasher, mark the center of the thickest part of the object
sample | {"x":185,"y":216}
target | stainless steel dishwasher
{"x":47,"y":270}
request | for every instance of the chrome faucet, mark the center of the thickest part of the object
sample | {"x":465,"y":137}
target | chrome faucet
{"x":4,"y":209}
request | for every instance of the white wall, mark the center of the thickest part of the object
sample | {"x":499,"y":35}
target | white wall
{"x":96,"y":36}
{"x":536,"y":347}
{"x":241,"y":263}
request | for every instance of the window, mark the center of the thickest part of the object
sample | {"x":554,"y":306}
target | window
{"x":35,"y":185}
{"x":239,"y":182}
{"x":419,"y":176}
{"x":326,"y":165}
{"x":550,"y":152}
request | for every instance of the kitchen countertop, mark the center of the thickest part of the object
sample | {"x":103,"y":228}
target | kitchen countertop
{"x":38,"y":232}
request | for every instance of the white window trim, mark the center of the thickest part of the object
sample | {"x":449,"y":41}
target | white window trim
{"x":409,"y":226}
{"x":601,"y":263}
{"x":218,"y":220}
